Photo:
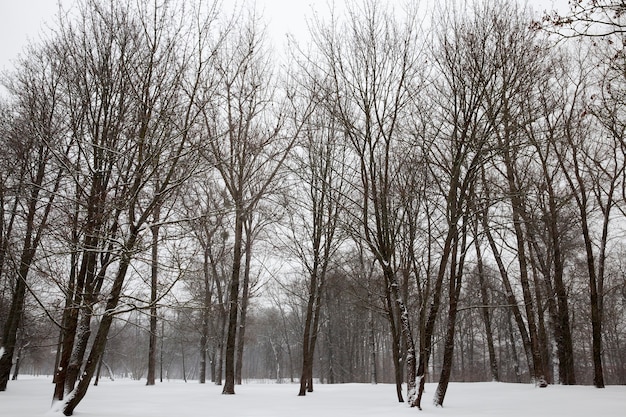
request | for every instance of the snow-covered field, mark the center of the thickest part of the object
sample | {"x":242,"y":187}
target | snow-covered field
{"x":29,"y":397}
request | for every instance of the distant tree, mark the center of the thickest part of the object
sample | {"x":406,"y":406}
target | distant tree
{"x":205,"y":211}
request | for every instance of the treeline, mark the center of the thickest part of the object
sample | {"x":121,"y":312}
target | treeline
{"x":402,"y":199}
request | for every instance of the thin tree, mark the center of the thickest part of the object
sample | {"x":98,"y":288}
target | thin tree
{"x":314,"y":214}
{"x":464,"y":61}
{"x":253,"y":141}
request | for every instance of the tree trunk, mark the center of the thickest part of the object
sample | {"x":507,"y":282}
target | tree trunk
{"x":372,"y":343}
{"x":396,"y":349}
{"x":31,"y":241}
{"x":429,"y":327}
{"x":457,"y":263}
{"x":596,"y":314}
{"x":10,"y":330}
{"x":206,"y":309}
{"x":516,"y":369}
{"x":307,"y":363}
{"x":407,"y":335}
{"x":508,"y":290}
{"x":233,"y":305}
{"x":311,"y":328}
{"x":542,"y":334}
{"x":537,"y":370}
{"x":154,"y":281}
{"x":18,"y":360}
{"x":99,"y":343}
{"x":448,"y":350}
{"x":245,"y":294}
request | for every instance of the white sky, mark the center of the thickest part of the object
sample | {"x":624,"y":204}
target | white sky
{"x":21,"y":20}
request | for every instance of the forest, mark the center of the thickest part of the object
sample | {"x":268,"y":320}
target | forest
{"x":411,"y":196}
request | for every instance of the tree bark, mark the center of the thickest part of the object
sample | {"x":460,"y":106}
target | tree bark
{"x":154,"y":282}
{"x":32,"y":237}
{"x":233,"y":304}
{"x":206,"y":313}
{"x":245,"y":295}
{"x":99,"y":343}
{"x":457,"y":264}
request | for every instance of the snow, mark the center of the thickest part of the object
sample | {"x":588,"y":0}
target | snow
{"x":124,"y":398}
{"x":1,"y":351}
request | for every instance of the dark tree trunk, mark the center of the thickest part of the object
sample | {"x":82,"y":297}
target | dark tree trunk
{"x":311,"y":329}
{"x":99,"y":343}
{"x":372,"y":343}
{"x":206,"y":310}
{"x":307,"y":363}
{"x":514,"y":357}
{"x":596,"y":313}
{"x":10,"y":329}
{"x":154,"y":281}
{"x":32,"y":236}
{"x":161,"y":353}
{"x":429,"y":326}
{"x":542,"y":334}
{"x":245,"y":295}
{"x":457,"y":263}
{"x":565,"y":349}
{"x":18,"y":360}
{"x":448,"y":350}
{"x":596,"y":276}
{"x":537,"y":371}
{"x":79,"y":350}
{"x":406,"y":335}
{"x":509,"y":294}
{"x":233,"y":306}
{"x":396,"y":352}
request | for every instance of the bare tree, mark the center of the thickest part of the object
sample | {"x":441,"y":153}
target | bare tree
{"x":314,"y":206}
{"x":590,"y":18}
{"x":132,"y":111}
{"x":519,"y":57}
{"x":466,"y":58}
{"x":592,"y":158}
{"x":253,"y":139}
{"x":33,"y":139}
{"x":372,"y":68}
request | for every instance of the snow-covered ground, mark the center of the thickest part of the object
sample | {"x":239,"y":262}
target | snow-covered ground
{"x":30,"y":397}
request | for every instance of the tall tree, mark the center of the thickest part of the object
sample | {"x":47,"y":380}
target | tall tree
{"x":604,"y":22}
{"x":466,"y":60}
{"x":591,"y":154}
{"x":373,"y":67}
{"x":254,"y":138}
{"x":519,"y":60}
{"x":33,"y":139}
{"x":314,"y":206}
{"x":132,"y":111}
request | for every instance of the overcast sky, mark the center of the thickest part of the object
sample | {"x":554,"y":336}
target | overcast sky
{"x":21,"y":20}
